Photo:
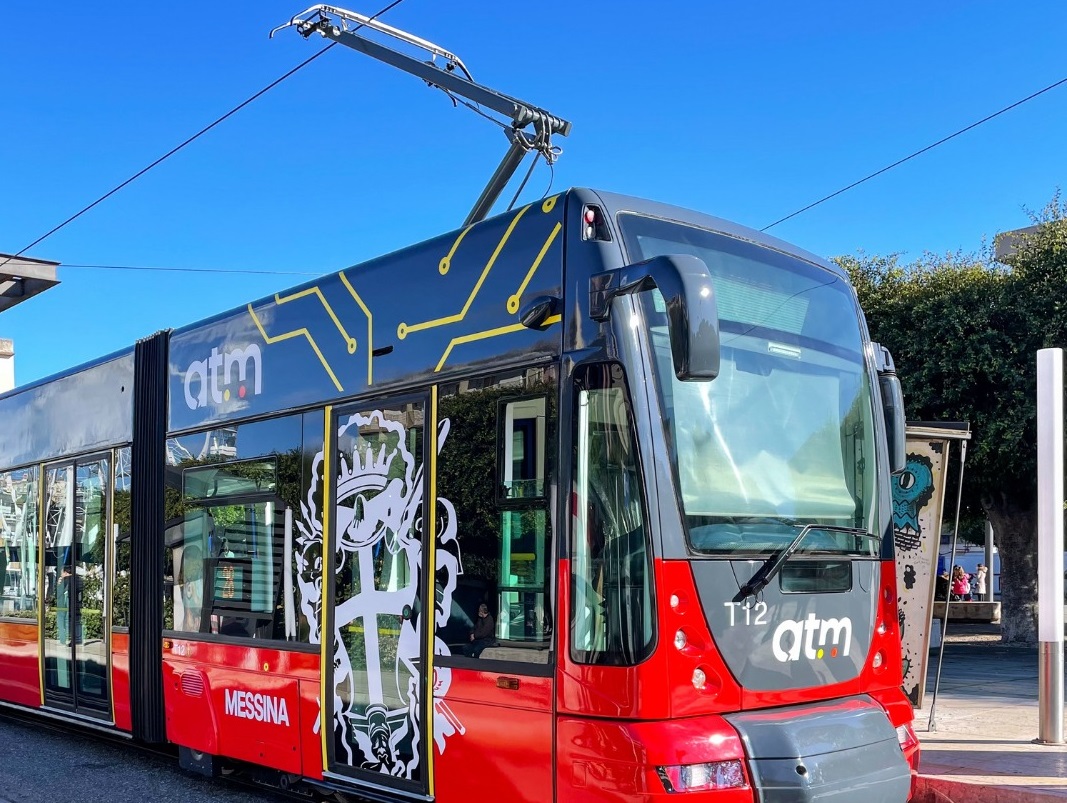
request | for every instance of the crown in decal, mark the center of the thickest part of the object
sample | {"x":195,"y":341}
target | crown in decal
{"x":378,"y":454}
{"x":368,"y":471}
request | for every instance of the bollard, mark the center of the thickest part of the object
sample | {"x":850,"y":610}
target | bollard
{"x":1050,"y":545}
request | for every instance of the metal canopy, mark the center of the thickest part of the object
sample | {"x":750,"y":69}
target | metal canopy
{"x":22,"y":278}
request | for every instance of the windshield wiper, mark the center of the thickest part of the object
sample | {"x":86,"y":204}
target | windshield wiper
{"x":765,"y":573}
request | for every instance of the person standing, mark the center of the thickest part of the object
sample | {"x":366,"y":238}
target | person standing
{"x":979,"y":581}
{"x":961,"y":585}
{"x":941,"y":586}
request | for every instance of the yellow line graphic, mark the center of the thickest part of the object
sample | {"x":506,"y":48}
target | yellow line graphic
{"x":430,"y":622}
{"x":297,"y":333}
{"x":325,"y":660}
{"x":503,"y":330}
{"x":446,"y":263}
{"x":513,"y":302}
{"x":370,"y":324}
{"x":314,"y":291}
{"x":403,"y":329}
{"x":549,"y":204}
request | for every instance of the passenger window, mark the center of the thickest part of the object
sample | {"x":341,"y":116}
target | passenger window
{"x":612,"y":612}
{"x":230,"y":533}
{"x":120,"y":589}
{"x":494,"y":548}
{"x":522,"y":441}
{"x":232,"y":551}
{"x":18,"y":543}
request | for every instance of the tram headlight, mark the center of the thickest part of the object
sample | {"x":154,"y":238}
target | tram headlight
{"x":702,"y":777}
{"x":680,"y":641}
{"x":700,"y":680}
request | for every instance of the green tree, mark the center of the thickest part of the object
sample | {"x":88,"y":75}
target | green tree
{"x":964,"y":333}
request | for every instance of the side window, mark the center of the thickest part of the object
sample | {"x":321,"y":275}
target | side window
{"x":120,"y":589}
{"x":230,"y":558}
{"x":231,"y":567}
{"x":494,"y":538}
{"x":18,"y":543}
{"x":611,"y":571}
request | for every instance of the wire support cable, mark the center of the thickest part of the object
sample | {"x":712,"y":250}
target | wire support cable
{"x":188,"y":141}
{"x":899,"y":162}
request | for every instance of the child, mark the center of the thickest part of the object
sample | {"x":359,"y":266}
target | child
{"x":961,"y":585}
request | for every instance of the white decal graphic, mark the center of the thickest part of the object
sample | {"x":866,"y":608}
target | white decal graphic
{"x":378,"y":631}
{"x":832,"y":635}
{"x":753,"y":614}
{"x":216,"y":375}
{"x":260,"y":707}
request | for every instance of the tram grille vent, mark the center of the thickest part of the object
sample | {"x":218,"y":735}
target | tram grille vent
{"x":193,"y":684}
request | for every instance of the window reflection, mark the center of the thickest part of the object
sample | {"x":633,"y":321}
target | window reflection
{"x":501,"y":432}
{"x":231,"y":499}
{"x":612,"y":620}
{"x":120,"y":594}
{"x":18,"y":543}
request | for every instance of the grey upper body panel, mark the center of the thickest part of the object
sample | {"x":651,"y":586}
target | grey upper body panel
{"x":88,"y":409}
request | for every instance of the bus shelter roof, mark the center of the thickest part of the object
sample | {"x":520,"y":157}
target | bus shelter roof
{"x":22,"y":278}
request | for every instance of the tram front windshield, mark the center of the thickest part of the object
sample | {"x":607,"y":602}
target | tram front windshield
{"x":783,"y":437}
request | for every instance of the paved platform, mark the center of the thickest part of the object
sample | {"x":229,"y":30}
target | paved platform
{"x":981,"y":746}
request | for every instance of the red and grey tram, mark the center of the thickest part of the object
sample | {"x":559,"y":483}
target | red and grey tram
{"x":589,"y":501}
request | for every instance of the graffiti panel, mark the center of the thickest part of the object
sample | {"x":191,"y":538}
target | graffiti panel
{"x":918,"y":497}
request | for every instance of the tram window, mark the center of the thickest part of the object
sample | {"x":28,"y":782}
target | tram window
{"x":494,"y":532}
{"x":232,"y":522}
{"x":204,"y":483}
{"x":120,"y":589}
{"x":522,"y":449}
{"x":612,"y":617}
{"x":19,"y":546}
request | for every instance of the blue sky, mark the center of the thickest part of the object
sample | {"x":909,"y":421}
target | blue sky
{"x":747,"y":111}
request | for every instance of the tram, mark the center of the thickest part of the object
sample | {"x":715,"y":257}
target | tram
{"x":587,"y":501}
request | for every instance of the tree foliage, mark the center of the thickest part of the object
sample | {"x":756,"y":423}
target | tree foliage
{"x":964,"y":332}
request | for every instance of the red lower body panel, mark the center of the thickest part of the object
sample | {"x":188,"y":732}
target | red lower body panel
{"x":605,"y":760}
{"x":246,"y":703}
{"x":120,"y":680}
{"x":497,"y":744}
{"x":19,"y":665}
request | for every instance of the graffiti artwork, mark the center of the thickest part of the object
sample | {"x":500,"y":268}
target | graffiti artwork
{"x":911,"y":492}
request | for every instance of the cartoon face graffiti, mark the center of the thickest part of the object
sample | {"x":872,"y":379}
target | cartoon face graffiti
{"x":377,"y":565}
{"x":912,"y":489}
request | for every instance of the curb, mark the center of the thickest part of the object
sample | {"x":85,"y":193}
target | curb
{"x":939,"y":789}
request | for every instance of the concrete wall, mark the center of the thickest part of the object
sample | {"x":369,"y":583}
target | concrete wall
{"x":7,"y":365}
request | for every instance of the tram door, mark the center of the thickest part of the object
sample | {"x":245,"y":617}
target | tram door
{"x":76,"y":626}
{"x":377,"y":684}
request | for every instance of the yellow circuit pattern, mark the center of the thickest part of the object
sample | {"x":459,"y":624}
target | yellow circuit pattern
{"x":404,"y":329}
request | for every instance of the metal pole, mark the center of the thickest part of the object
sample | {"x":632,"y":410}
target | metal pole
{"x":932,"y":724}
{"x":504,"y":171}
{"x":1050,"y":545}
{"x":990,"y":552}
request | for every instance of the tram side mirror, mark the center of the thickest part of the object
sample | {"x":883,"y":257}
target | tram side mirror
{"x":692,"y":313}
{"x":892,"y":407}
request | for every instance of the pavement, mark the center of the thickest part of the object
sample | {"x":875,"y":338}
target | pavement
{"x":980,"y":746}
